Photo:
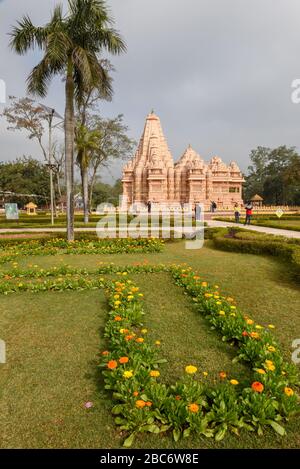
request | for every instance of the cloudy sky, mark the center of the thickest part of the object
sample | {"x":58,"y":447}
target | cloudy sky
{"x":217,"y":72}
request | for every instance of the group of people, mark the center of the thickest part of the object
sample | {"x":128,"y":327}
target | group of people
{"x":213,"y":206}
{"x":249,"y":208}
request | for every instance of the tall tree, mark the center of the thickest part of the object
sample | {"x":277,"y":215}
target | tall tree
{"x":114,"y":144}
{"x":72,"y":45}
{"x":87,"y":142}
{"x":275,"y":175}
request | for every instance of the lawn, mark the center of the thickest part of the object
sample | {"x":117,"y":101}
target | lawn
{"x":53,"y":343}
{"x":285,"y":223}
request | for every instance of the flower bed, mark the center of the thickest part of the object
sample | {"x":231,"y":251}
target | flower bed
{"x":145,"y":404}
{"x":10,"y":249}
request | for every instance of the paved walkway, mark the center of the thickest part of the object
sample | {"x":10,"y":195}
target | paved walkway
{"x":211,"y":223}
{"x":261,"y":229}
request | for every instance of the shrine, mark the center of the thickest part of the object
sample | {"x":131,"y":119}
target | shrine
{"x":153,"y":176}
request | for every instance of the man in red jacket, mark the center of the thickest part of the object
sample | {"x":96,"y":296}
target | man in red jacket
{"x":249,"y":208}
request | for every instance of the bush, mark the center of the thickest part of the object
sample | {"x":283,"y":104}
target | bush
{"x":237,"y":240}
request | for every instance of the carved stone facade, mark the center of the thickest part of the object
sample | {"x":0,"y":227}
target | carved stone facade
{"x":153,"y":176}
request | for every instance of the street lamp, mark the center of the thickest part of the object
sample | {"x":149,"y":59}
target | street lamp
{"x":50,"y":114}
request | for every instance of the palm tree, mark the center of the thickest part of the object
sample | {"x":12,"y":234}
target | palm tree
{"x":87,"y":141}
{"x":72,"y":46}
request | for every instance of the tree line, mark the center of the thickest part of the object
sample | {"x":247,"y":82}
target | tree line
{"x":275,"y":175}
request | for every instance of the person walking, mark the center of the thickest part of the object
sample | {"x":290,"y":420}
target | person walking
{"x":249,"y":208}
{"x":149,"y":206}
{"x":237,"y":213}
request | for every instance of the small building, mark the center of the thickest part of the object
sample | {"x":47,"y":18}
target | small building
{"x":31,"y":208}
{"x":257,"y":200}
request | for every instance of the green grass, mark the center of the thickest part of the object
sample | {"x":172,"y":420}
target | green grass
{"x":53,"y":342}
{"x":291,"y":223}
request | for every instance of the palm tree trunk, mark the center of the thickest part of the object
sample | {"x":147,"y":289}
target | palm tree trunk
{"x":85,"y":190}
{"x":69,"y":151}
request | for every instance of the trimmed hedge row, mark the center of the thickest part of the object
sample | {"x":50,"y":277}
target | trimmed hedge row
{"x":253,"y":243}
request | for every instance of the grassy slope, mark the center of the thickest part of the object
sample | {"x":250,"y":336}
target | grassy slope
{"x":53,"y":340}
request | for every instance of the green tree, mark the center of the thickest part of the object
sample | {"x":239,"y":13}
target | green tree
{"x":274,"y":175}
{"x":27,"y":180}
{"x":71,"y":45}
{"x":87,"y":142}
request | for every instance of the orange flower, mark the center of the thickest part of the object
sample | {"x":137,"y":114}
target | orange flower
{"x":105,"y":352}
{"x":112,"y":364}
{"x":135,"y":393}
{"x":257,"y":386}
{"x":148,"y":403}
{"x":154,"y":373}
{"x":140,"y":404}
{"x":193,"y":408}
{"x":244,"y":333}
{"x":139,"y":340}
{"x":118,"y":318}
{"x":222,"y":374}
{"x":128,"y":337}
{"x":123,"y":360}
{"x":254,"y":335}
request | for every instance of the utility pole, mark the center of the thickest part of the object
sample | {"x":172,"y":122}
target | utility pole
{"x":50,"y":114}
{"x":50,"y":165}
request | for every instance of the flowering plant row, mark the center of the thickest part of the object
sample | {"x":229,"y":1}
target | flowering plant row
{"x":49,"y":247}
{"x":34,"y":271}
{"x":145,"y":404}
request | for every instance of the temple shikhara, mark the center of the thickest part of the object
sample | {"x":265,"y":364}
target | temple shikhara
{"x":153,"y":176}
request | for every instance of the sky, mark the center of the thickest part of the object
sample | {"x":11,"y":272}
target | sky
{"x":217,"y":72}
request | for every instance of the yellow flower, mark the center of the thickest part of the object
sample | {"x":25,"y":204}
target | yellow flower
{"x":269,"y":365}
{"x":288,"y":391}
{"x":154,"y":373}
{"x":117,"y":303}
{"x":271,"y":326}
{"x":250,"y":322}
{"x":130,"y":297}
{"x":233,"y":307}
{"x":207,"y":295}
{"x":258,"y":327}
{"x":221,"y":313}
{"x":116,"y":297}
{"x":261,"y":371}
{"x":141,"y":294}
{"x":234,"y":382}
{"x":190,"y":369}
{"x":157,"y":342}
{"x":204,"y":284}
{"x":271,"y":348}
{"x":218,"y":302}
{"x":128,"y":374}
{"x":205,"y":374}
{"x":144,"y":331}
{"x":232,"y":314}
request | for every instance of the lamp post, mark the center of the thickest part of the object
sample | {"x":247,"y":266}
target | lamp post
{"x":50,"y":114}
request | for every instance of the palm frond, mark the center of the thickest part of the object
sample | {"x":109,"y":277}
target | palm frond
{"x":26,"y":36}
{"x":111,"y":40}
{"x":39,"y":79}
